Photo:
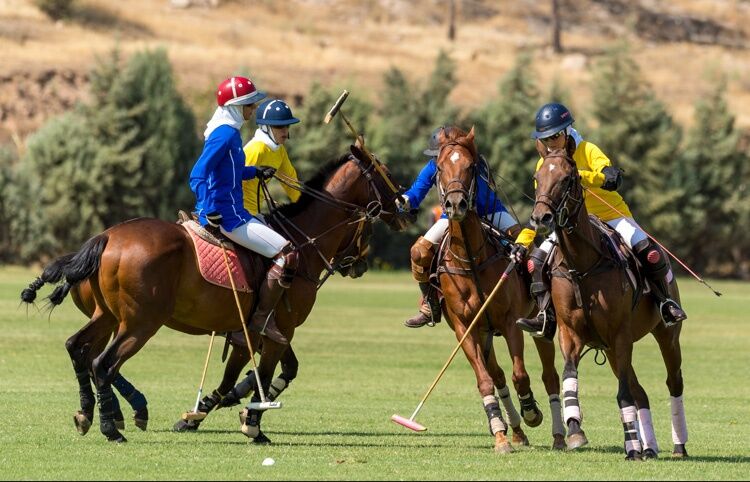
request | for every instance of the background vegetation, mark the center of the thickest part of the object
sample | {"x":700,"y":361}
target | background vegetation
{"x":358,"y":366}
{"x":127,"y":153}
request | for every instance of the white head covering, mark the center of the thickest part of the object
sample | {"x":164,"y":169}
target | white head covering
{"x":266,"y":138}
{"x":230,"y":115}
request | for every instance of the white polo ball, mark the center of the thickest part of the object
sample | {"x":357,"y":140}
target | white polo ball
{"x":268,"y":461}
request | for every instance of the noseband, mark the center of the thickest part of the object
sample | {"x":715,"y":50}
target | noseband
{"x":469,"y":193}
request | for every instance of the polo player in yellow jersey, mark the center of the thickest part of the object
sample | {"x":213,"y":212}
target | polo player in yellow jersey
{"x":554,"y":128}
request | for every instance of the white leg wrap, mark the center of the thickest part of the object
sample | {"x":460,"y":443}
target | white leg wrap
{"x":277,"y":386}
{"x":646,"y":427}
{"x":571,"y":409}
{"x":629,"y":418}
{"x":497,"y":424}
{"x":558,"y":426}
{"x":679,"y":423}
{"x":514,"y":419}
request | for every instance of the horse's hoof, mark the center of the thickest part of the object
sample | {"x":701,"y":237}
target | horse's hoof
{"x":261,"y":439}
{"x":679,"y":452}
{"x":119,"y":438}
{"x":650,"y":454}
{"x":82,"y":422}
{"x":109,"y":430}
{"x":140,"y":418}
{"x":183,"y":426}
{"x":243,"y":416}
{"x":519,"y":438}
{"x":533,"y":417}
{"x":633,"y":456}
{"x":577,"y":440}
{"x":503,"y":448}
{"x":558,"y":442}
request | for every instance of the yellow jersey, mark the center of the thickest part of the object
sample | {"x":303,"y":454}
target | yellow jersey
{"x":258,"y":153}
{"x":590,"y":160}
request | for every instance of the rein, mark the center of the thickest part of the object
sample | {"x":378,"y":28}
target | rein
{"x":357,"y":215}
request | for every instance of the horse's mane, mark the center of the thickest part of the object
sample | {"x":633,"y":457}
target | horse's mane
{"x":455,"y":134}
{"x":317,"y":182}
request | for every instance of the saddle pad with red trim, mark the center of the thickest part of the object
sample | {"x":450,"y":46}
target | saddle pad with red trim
{"x":211,"y":262}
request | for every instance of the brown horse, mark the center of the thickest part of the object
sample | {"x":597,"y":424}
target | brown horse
{"x":474,"y":261}
{"x":596,"y":305}
{"x":143,"y":276}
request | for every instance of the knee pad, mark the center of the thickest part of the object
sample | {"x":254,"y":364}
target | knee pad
{"x":422,"y":254}
{"x":285,"y":265}
{"x":652,"y":257}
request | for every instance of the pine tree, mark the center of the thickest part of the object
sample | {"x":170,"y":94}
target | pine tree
{"x":709,"y":174}
{"x":503,"y":127}
{"x":638,"y":135}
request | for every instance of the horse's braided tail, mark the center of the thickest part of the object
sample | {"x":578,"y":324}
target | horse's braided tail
{"x":52,"y":273}
{"x":81,"y":266}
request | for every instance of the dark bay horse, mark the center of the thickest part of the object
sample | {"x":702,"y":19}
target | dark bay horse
{"x":597,"y":306}
{"x":468,"y":272}
{"x":143,"y":275}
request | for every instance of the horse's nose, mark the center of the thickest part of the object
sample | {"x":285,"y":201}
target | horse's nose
{"x":456,"y":208}
{"x":543,"y":223}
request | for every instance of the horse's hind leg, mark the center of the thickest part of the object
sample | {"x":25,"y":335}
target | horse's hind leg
{"x":106,"y":366}
{"x":646,"y":433}
{"x":551,"y":381}
{"x":530,"y":412}
{"x":669,"y":344}
{"x":82,"y":347}
{"x":135,"y":399}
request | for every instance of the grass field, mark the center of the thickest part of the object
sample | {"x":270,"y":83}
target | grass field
{"x":358,"y":366}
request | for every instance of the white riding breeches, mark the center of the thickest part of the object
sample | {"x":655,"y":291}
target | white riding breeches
{"x":256,"y":236}
{"x":501,"y":220}
{"x":631,"y":233}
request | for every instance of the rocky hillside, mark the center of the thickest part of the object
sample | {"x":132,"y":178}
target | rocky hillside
{"x":288,"y":45}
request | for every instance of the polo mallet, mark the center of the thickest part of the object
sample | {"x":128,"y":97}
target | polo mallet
{"x":195,"y":414}
{"x":264,"y":404}
{"x":336,"y":109}
{"x":410,"y":423}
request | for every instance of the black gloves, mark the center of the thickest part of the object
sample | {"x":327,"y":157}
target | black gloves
{"x":612,"y":178}
{"x":518,"y":253}
{"x":214,"y":219}
{"x":265,"y":172}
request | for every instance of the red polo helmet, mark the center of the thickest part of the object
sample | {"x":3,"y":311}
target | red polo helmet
{"x":238,"y":91}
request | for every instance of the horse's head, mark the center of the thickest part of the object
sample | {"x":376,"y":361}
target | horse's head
{"x":456,"y":171}
{"x":376,"y":190}
{"x":558,"y":189}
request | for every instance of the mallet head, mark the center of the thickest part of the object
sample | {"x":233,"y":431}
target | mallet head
{"x":335,"y":109}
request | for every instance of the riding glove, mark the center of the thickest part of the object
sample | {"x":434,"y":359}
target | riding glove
{"x":265,"y":172}
{"x":518,"y":253}
{"x":612,"y":178}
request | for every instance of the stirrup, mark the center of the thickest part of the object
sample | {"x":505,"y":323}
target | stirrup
{"x":666,"y":316}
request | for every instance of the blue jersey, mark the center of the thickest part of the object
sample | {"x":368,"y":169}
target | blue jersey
{"x":487,"y":201}
{"x":216,"y":178}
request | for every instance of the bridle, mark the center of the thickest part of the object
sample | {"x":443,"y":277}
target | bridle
{"x":470,"y":193}
{"x":566,"y":210}
{"x":361,"y":216}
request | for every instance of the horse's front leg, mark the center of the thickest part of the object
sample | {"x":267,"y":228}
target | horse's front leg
{"x":623,"y":354}
{"x":570,"y":346}
{"x":530,"y":411}
{"x":551,"y":381}
{"x":503,"y":392}
{"x":253,"y":412}
{"x":472,"y":349}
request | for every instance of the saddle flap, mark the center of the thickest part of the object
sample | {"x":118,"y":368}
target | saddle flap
{"x":246,"y":270}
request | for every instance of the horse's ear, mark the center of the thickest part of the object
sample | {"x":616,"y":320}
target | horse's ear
{"x":541,"y":149}
{"x":570,"y":146}
{"x":470,"y":135}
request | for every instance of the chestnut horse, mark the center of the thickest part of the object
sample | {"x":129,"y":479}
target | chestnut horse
{"x":474,"y":261}
{"x":143,"y":276}
{"x":597,"y":306}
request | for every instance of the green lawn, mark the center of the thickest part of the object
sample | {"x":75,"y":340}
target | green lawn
{"x":358,"y":366}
